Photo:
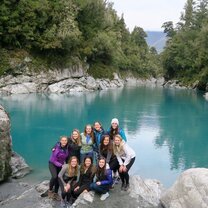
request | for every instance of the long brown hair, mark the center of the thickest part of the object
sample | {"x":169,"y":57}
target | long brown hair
{"x":113,"y":132}
{"x":101,"y":171}
{"x":78,"y":140}
{"x":91,"y":134}
{"x":72,"y":172}
{"x":108,"y":147}
{"x":92,"y":169}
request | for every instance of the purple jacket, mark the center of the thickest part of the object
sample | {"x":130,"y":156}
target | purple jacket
{"x":59,"y":155}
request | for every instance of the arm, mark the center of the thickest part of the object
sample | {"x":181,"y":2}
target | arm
{"x":128,"y":155}
{"x":109,"y":179}
{"x":53,"y":158}
{"x":119,"y":159}
{"x":61,"y":174}
{"x":108,"y":157}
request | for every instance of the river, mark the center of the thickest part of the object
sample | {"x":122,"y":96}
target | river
{"x":167,"y":128}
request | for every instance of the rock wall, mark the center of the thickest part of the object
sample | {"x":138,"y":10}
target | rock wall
{"x":56,"y":81}
{"x":5,"y":145}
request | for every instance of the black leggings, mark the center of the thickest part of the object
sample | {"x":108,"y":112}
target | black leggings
{"x":114,"y":165}
{"x":125,"y":175}
{"x":54,"y":177}
{"x":65,"y":194}
{"x":80,"y":190}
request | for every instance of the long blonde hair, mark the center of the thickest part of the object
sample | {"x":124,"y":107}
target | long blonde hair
{"x":72,"y":172}
{"x":118,"y":149}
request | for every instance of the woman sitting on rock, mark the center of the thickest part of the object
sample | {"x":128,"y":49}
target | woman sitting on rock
{"x":103,"y":179}
{"x":87,"y":173}
{"x":74,"y":144}
{"x":87,"y":139}
{"x":67,"y":178}
{"x":126,"y":158}
{"x":59,"y":154}
{"x":114,"y":130}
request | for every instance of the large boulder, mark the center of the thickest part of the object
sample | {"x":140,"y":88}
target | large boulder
{"x":5,"y":145}
{"x":190,"y":190}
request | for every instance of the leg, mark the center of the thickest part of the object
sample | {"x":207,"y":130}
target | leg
{"x":54,"y":176}
{"x":101,"y":189}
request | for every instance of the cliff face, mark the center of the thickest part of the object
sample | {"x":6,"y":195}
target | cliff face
{"x":5,"y":145}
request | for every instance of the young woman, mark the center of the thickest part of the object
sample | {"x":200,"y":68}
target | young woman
{"x":87,"y":139}
{"x":59,"y":154}
{"x":74,"y":144}
{"x":87,"y":173}
{"x":67,"y":178}
{"x":98,"y":134}
{"x":103,"y":179}
{"x":114,"y":130}
{"x":126,"y":157}
{"x":106,"y":151}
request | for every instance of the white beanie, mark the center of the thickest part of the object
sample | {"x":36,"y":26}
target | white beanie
{"x":115,"y":120}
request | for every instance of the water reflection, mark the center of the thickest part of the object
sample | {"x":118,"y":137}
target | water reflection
{"x":167,"y":128}
{"x":183,"y":128}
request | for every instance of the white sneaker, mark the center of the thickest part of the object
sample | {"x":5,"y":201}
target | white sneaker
{"x":104,"y":196}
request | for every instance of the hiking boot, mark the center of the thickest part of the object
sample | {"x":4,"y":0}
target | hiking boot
{"x":56,"y":197}
{"x":126,"y":188}
{"x":50,"y":194}
{"x":104,"y":196}
{"x":122,"y":186}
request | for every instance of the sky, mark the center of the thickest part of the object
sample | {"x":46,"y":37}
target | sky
{"x":149,"y":14}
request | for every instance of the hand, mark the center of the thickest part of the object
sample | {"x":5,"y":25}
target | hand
{"x":98,"y":183}
{"x":67,"y":187}
{"x":76,"y":188}
{"x":121,"y":169}
{"x":124,"y":169}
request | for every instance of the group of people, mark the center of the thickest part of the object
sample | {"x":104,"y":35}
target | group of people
{"x":92,"y":160}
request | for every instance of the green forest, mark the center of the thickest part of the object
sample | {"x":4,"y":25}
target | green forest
{"x":186,"y":54}
{"x":64,"y":33}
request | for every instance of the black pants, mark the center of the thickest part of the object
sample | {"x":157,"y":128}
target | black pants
{"x":114,"y":165}
{"x":125,"y":175}
{"x":54,"y":177}
{"x":82,"y":187}
{"x":65,"y":194}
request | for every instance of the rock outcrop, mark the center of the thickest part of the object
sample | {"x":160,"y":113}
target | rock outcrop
{"x":19,"y":167}
{"x":190,"y":190}
{"x":142,"y":194}
{"x":56,"y":81}
{"x":5,"y":145}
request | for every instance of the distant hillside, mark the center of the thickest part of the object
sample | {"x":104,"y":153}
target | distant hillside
{"x":156,"y":39}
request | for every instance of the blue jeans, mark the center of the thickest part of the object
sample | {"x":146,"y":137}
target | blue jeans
{"x":101,"y":189}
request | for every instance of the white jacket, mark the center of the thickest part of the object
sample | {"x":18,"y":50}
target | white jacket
{"x":126,"y":155}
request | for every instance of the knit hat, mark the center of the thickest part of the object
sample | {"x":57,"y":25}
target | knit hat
{"x":115,"y":120}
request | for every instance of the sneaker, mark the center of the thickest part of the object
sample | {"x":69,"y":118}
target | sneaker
{"x":56,"y":197}
{"x":104,"y":196}
{"x":50,"y":194}
{"x":122,"y":186}
{"x":126,"y":188}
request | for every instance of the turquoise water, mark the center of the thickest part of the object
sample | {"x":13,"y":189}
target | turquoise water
{"x":167,"y":128}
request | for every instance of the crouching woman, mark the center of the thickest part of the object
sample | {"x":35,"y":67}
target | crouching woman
{"x":67,"y":178}
{"x":103,"y":179}
{"x":126,"y":157}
